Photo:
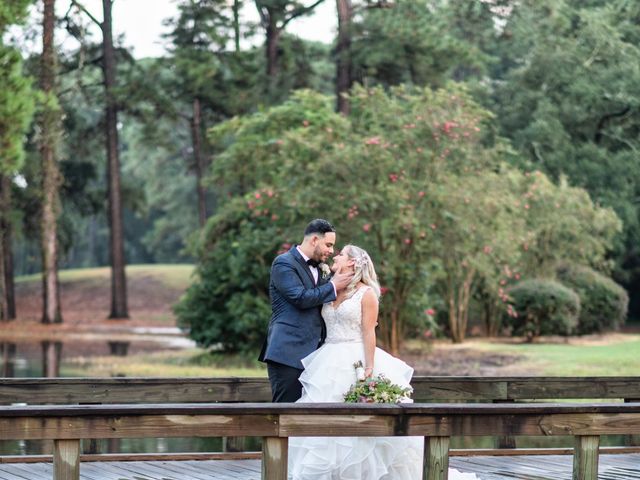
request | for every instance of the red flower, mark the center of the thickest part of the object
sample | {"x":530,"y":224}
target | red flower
{"x":430,"y":311}
{"x":372,"y":141}
{"x":448,"y":126}
{"x":366,"y":227}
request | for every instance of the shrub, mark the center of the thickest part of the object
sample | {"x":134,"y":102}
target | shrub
{"x":603,"y":302}
{"x":543,"y":307}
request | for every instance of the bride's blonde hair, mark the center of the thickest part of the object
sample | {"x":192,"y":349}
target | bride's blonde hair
{"x":363,"y":269}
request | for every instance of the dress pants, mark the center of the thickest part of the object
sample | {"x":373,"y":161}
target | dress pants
{"x":285,"y":386}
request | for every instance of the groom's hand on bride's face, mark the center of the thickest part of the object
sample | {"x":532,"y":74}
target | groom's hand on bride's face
{"x":341,"y":279}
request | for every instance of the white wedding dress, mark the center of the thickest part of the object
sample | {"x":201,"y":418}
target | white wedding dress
{"x":327,"y":376}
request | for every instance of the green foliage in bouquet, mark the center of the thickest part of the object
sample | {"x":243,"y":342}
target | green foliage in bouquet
{"x":377,"y":389}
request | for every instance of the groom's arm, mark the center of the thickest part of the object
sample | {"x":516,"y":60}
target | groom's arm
{"x":287,"y":281}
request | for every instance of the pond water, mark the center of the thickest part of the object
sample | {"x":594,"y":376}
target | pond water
{"x":53,"y":357}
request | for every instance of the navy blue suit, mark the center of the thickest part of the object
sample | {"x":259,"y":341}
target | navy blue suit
{"x":296,"y":328}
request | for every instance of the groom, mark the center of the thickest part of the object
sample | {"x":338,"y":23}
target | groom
{"x":298,"y":288}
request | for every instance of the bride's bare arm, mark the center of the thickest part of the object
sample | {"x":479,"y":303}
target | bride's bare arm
{"x":369,"y":322}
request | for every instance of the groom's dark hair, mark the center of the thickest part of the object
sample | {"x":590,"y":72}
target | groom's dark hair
{"x":318,"y":226}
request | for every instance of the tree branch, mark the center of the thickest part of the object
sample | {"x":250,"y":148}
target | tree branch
{"x":264,"y":21}
{"x":86,"y":12}
{"x":300,"y":11}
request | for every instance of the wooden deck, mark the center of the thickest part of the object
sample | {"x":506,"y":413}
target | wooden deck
{"x":546,"y":467}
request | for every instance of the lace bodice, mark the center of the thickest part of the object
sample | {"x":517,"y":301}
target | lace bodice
{"x":344,"y":324}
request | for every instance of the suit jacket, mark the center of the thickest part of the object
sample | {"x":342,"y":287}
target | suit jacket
{"x":296,"y":328}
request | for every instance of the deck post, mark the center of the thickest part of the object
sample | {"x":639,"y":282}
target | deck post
{"x":233,"y":444}
{"x":66,"y":460}
{"x":505,"y":441}
{"x":632,"y":440}
{"x":585,"y":457}
{"x":436,"y":458}
{"x":275,"y":455}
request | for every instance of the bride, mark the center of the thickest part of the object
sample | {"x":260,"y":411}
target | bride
{"x":328,"y":373}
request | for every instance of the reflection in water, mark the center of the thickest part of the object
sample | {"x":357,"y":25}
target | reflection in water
{"x":119,"y":349}
{"x":8,"y":353}
{"x":51,"y":355}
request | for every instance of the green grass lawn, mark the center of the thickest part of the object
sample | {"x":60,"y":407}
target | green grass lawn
{"x":172,"y":275}
{"x":619,"y":356}
{"x":172,"y":363}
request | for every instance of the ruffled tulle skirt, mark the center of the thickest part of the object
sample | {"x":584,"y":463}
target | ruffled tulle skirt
{"x":328,"y":375}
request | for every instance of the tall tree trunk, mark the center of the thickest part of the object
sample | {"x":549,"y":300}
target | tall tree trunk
{"x":118,"y":276}
{"x":394,"y":341}
{"x":196,"y":137}
{"x":8,"y":353}
{"x":50,"y":173}
{"x":4,"y":308}
{"x":51,"y":355}
{"x":236,"y":24}
{"x":273,"y":41}
{"x":7,"y":247}
{"x":343,"y":55}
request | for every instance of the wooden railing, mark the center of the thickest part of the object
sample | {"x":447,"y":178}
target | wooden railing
{"x":206,"y":390}
{"x":66,"y":425}
{"x":501,"y":390}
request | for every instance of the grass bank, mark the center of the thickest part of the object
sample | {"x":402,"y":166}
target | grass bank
{"x":193,"y":362}
{"x":601,"y":355}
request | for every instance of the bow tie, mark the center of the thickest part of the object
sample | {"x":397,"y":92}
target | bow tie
{"x":312,"y":263}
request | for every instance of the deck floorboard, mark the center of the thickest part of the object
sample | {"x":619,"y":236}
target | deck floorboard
{"x":546,"y":467}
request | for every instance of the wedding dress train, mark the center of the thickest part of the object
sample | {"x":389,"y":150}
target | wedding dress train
{"x":327,"y":376}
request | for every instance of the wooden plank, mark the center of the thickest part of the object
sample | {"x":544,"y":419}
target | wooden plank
{"x":28,"y":472}
{"x":458,"y":389}
{"x":436,"y":458}
{"x":66,"y":459}
{"x":337,"y":425}
{"x":315,"y":409}
{"x":199,"y":390}
{"x":186,"y":420}
{"x":275,"y":454}
{"x":138,"y":457}
{"x":585,"y":458}
{"x":556,"y":467}
{"x":152,"y":471}
{"x":134,"y":390}
{"x":525,"y":424}
{"x":137,"y":426}
{"x":573,"y":387}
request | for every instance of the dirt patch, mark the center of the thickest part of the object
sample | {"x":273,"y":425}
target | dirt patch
{"x":87,"y":303}
{"x":463,"y":361}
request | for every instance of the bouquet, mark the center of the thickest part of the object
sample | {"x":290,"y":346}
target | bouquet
{"x":378,"y":389}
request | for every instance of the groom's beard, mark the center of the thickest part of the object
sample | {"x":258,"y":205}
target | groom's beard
{"x":318,"y":257}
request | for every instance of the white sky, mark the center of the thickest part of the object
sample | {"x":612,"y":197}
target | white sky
{"x":141,"y":22}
